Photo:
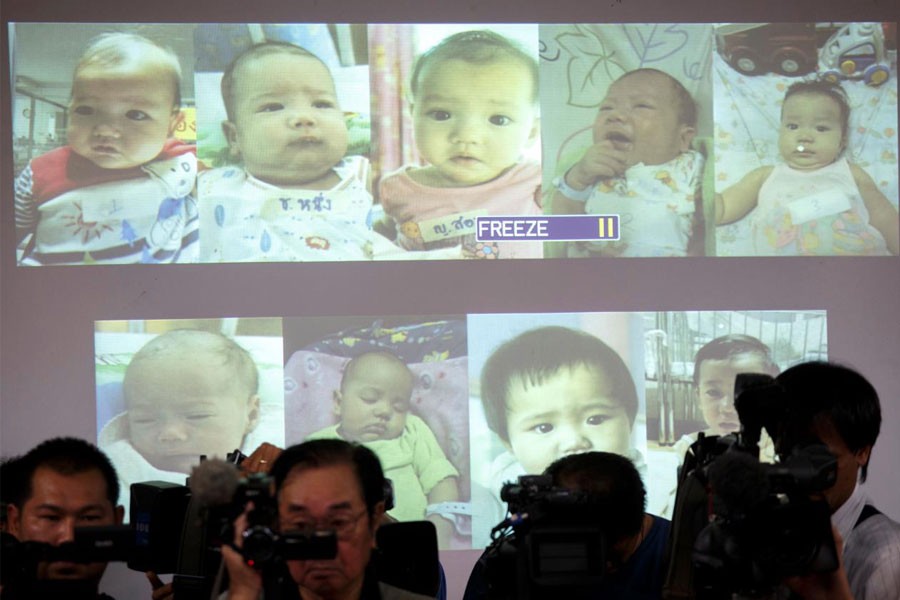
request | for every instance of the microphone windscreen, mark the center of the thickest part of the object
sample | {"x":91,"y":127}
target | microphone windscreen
{"x":739,"y":481}
{"x":213,"y":482}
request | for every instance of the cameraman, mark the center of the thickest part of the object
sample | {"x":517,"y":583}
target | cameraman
{"x":325,"y":485}
{"x":637,"y":553}
{"x":61,"y":484}
{"x":839,"y":407}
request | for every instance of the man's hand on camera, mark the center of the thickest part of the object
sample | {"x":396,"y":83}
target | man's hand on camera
{"x":261,"y":459}
{"x":245,"y":582}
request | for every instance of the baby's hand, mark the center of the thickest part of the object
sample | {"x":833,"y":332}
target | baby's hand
{"x":601,"y":161}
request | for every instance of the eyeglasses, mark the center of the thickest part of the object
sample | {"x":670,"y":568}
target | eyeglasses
{"x":344,"y":526}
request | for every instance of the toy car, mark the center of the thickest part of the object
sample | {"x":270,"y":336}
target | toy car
{"x":754,"y":48}
{"x":855,"y":51}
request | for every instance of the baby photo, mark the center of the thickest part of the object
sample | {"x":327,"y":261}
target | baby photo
{"x":627,"y":114}
{"x":398,"y":386}
{"x":284,"y":123}
{"x":691,"y":362}
{"x":104,"y":157}
{"x":169,"y":392}
{"x":806,"y":139}
{"x":469,"y":96}
{"x":543,"y":386}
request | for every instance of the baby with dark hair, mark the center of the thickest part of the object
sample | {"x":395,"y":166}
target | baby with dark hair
{"x":475,"y":112}
{"x":716,"y":367}
{"x":554,"y":391}
{"x":640,"y":167}
{"x":121,"y":189}
{"x":296,"y":196}
{"x":815,"y":203}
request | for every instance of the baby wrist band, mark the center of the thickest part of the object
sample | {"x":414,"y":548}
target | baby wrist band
{"x":571,"y":193}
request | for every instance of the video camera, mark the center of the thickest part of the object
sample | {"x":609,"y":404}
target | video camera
{"x":174,"y":529}
{"x":766,"y":523}
{"x":19,"y":576}
{"x":552,"y":544}
{"x":262,"y":544}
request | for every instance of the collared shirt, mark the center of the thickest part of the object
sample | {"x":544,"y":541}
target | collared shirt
{"x":871,"y":550}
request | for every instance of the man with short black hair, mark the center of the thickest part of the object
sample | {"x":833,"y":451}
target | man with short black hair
{"x":636,"y":560}
{"x":838,"y":407}
{"x":59,"y":485}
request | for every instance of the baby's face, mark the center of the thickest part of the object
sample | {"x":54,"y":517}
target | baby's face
{"x":121,"y":118}
{"x":811,"y":136}
{"x":573,"y":411}
{"x":473,"y":121}
{"x":181,"y":406}
{"x":288,"y":127}
{"x":716,"y":389}
{"x":639,"y":116}
{"x":374,"y":400}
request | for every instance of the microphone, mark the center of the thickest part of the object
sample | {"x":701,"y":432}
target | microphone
{"x":213,"y":482}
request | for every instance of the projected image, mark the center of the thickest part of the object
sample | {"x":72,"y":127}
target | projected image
{"x":806,"y":140}
{"x":236,"y":142}
{"x":171,"y":391}
{"x":543,"y":386}
{"x":103,"y":129}
{"x":399,"y":386}
{"x":472,"y":108}
{"x":691,"y":361}
{"x":627,"y":114}
{"x":285,"y":122}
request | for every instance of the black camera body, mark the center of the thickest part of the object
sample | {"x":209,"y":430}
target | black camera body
{"x":552,"y":544}
{"x":262,"y":543}
{"x":768,"y":521}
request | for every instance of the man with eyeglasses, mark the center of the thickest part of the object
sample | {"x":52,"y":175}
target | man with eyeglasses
{"x":325,"y":485}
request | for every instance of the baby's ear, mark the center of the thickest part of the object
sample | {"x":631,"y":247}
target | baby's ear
{"x":336,"y":403}
{"x":686,"y":135}
{"x":230,"y":131}
{"x":535,"y":131}
{"x":252,"y":413}
{"x":176,"y":120}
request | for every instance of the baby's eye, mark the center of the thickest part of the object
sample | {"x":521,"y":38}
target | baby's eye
{"x":143,"y":420}
{"x":714,"y":394}
{"x":643,"y":105}
{"x":199,"y":416}
{"x":369,"y":399}
{"x":500,"y":120}
{"x":597,"y":419}
{"x":323,"y":104}
{"x":823,"y":129}
{"x":84,"y":111}
{"x":137,"y":115}
{"x":439,"y":115}
{"x":791,"y":126}
{"x":271,"y":107}
{"x":605,"y":107}
{"x":542,"y":428}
